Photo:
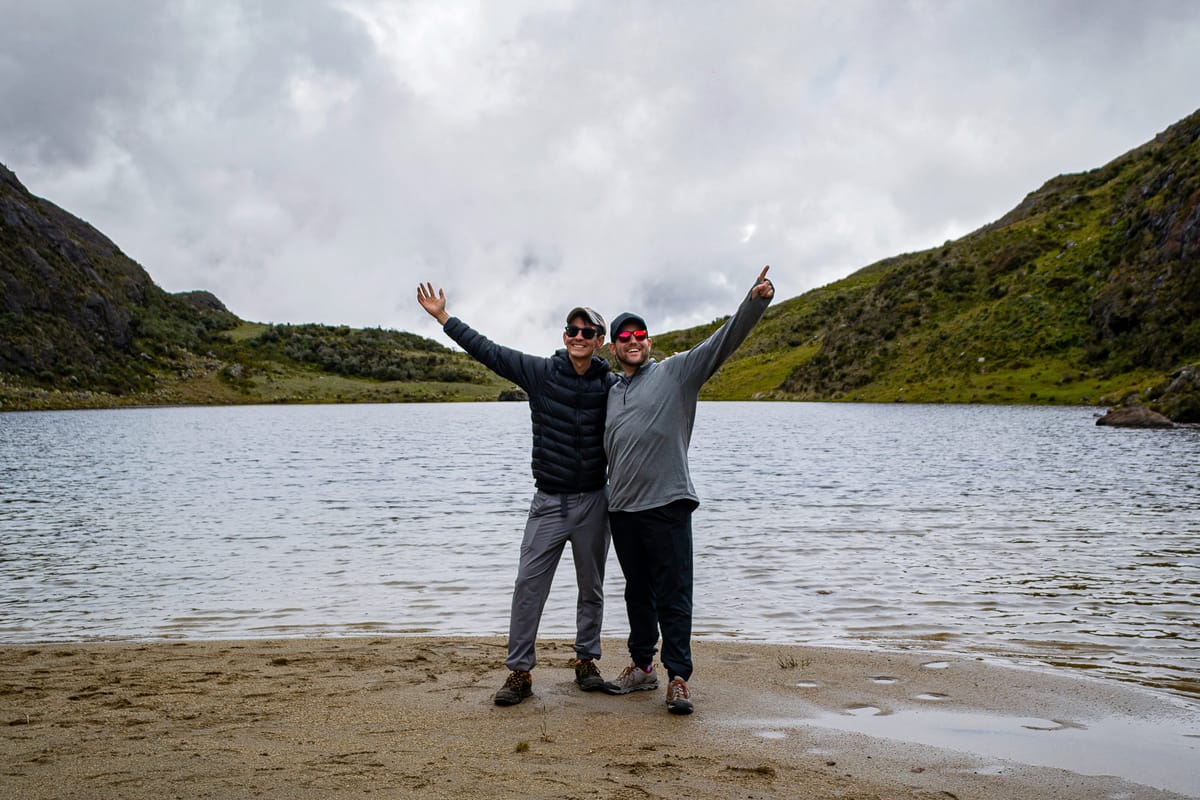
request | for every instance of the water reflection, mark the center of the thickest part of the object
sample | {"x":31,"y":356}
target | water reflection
{"x":1023,"y":533}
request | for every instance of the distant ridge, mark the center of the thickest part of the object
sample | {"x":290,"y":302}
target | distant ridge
{"x":1087,"y":292}
{"x":83,"y":325}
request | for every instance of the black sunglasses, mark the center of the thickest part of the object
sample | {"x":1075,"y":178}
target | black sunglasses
{"x":575,"y":330}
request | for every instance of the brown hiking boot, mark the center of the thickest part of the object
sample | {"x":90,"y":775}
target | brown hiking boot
{"x":518,"y":686}
{"x":679,"y":700}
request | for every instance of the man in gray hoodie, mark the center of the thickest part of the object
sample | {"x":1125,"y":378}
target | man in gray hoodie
{"x":651,"y":411}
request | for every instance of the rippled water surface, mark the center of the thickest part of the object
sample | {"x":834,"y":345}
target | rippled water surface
{"x":1027,"y":534}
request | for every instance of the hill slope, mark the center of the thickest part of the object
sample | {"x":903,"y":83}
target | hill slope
{"x":83,"y":325}
{"x":1085,"y":292}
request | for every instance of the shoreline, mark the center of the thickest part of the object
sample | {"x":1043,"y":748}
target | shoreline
{"x":412,"y":716}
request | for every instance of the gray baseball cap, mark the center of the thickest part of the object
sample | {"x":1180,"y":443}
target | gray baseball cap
{"x":590,"y":314}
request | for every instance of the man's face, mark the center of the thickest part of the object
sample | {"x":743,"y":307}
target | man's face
{"x":577,"y":346}
{"x":631,"y":350}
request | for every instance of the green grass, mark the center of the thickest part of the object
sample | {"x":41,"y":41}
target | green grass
{"x":246,"y":331}
{"x":754,"y":377}
{"x":202,"y":384}
{"x":1048,"y":382}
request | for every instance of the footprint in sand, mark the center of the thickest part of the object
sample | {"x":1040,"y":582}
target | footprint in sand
{"x":932,"y":696}
{"x":807,"y":684}
{"x":936,"y":664}
{"x":866,"y":711}
{"x":883,"y":679}
{"x":1055,"y":725}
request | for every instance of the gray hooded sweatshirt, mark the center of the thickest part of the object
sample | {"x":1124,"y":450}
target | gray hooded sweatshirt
{"x":651,"y":414}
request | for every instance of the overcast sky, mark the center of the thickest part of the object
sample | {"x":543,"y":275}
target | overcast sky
{"x":312,"y":161}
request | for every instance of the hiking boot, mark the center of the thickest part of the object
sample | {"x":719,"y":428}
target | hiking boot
{"x":518,"y":686}
{"x":634,"y":679}
{"x":679,"y":700}
{"x":587,"y":676}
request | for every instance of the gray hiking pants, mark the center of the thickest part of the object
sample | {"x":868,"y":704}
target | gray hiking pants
{"x":554,"y":520}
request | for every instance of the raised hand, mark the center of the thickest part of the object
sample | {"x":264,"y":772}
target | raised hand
{"x":435,"y":304}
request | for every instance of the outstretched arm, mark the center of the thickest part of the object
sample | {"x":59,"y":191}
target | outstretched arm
{"x":434,"y":304}
{"x":698,"y":364}
{"x":521,"y":369}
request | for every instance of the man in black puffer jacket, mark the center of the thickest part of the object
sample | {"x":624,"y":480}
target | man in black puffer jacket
{"x":567,"y":400}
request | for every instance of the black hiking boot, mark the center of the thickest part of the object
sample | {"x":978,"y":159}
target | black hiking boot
{"x":518,"y":686}
{"x":587,"y":676}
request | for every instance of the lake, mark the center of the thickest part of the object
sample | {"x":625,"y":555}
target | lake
{"x":1022,"y":534}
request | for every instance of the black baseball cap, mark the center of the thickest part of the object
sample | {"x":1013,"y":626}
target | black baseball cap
{"x":624,"y":319}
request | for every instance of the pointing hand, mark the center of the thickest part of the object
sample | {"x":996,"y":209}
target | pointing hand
{"x":763,"y":286}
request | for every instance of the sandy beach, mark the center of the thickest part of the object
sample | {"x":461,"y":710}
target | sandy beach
{"x":413,"y":717}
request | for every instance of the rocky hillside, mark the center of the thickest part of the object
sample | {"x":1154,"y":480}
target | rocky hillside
{"x":73,"y":306}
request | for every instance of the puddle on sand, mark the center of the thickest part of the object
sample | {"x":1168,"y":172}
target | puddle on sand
{"x":1158,"y":753}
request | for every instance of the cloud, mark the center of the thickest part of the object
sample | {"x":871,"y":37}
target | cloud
{"x":312,"y":161}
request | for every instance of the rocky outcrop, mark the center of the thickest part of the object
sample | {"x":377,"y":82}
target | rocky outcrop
{"x":204,"y":300}
{"x":1134,"y":417}
{"x":67,"y":293}
{"x":1178,"y":398}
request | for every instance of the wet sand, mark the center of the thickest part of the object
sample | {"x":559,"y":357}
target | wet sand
{"x":412,"y":717}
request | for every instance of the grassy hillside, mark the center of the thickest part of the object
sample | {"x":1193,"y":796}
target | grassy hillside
{"x":1086,"y":292}
{"x":257,"y":363}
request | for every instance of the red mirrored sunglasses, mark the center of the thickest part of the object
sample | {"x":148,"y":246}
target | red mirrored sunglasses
{"x":625,"y":336}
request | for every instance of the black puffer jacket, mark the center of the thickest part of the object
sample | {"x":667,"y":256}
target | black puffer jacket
{"x":567,"y":409}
